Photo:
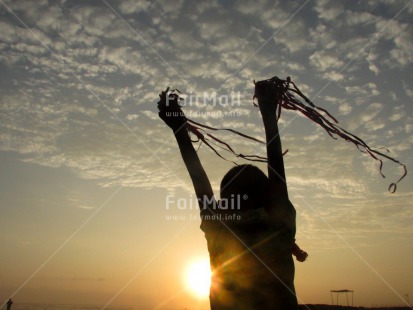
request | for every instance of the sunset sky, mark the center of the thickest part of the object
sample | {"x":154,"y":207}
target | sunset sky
{"x":87,"y":167}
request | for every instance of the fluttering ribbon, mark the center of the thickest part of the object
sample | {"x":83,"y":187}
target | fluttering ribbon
{"x":285,"y":91}
{"x":170,"y":101}
{"x":287,"y":96}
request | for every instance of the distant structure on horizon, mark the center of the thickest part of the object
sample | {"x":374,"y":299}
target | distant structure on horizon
{"x":338,"y":292}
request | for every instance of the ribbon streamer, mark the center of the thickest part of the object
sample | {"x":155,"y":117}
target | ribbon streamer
{"x":285,"y":92}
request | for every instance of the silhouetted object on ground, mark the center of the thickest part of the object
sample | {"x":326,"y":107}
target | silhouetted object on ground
{"x":9,"y":304}
{"x":250,"y":232}
{"x":338,"y":292}
{"x":330,"y":307}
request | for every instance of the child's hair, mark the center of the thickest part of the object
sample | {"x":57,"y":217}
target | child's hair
{"x":249,"y":182}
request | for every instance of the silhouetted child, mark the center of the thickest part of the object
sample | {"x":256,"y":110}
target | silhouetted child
{"x":250,"y":232}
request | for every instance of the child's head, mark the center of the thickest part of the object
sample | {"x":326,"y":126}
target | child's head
{"x":248,"y":183}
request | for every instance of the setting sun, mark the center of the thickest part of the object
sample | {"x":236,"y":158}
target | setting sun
{"x":198,"y":278}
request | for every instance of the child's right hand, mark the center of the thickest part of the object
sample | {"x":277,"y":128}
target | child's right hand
{"x":170,"y":111}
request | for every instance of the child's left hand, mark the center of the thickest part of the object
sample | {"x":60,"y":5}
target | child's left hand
{"x":170,"y":111}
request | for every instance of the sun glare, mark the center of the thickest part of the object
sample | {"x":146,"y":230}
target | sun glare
{"x":198,"y":278}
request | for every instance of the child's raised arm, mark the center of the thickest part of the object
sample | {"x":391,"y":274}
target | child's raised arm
{"x":172,"y":115}
{"x":265,"y":92}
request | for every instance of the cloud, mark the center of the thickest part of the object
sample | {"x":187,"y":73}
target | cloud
{"x":294,"y":36}
{"x":90,"y":103}
{"x":368,"y":118}
{"x":329,"y":10}
{"x":337,"y":188}
{"x":397,"y":114}
{"x":333,"y":76}
{"x":133,"y":7}
{"x":324,"y":60}
{"x":370,"y":89}
{"x":345,"y":109}
{"x":402,"y":54}
{"x":371,"y":59}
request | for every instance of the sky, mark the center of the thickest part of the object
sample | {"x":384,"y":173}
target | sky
{"x":94,"y":197}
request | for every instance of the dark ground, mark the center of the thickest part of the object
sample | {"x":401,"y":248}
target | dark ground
{"x":331,"y":307}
